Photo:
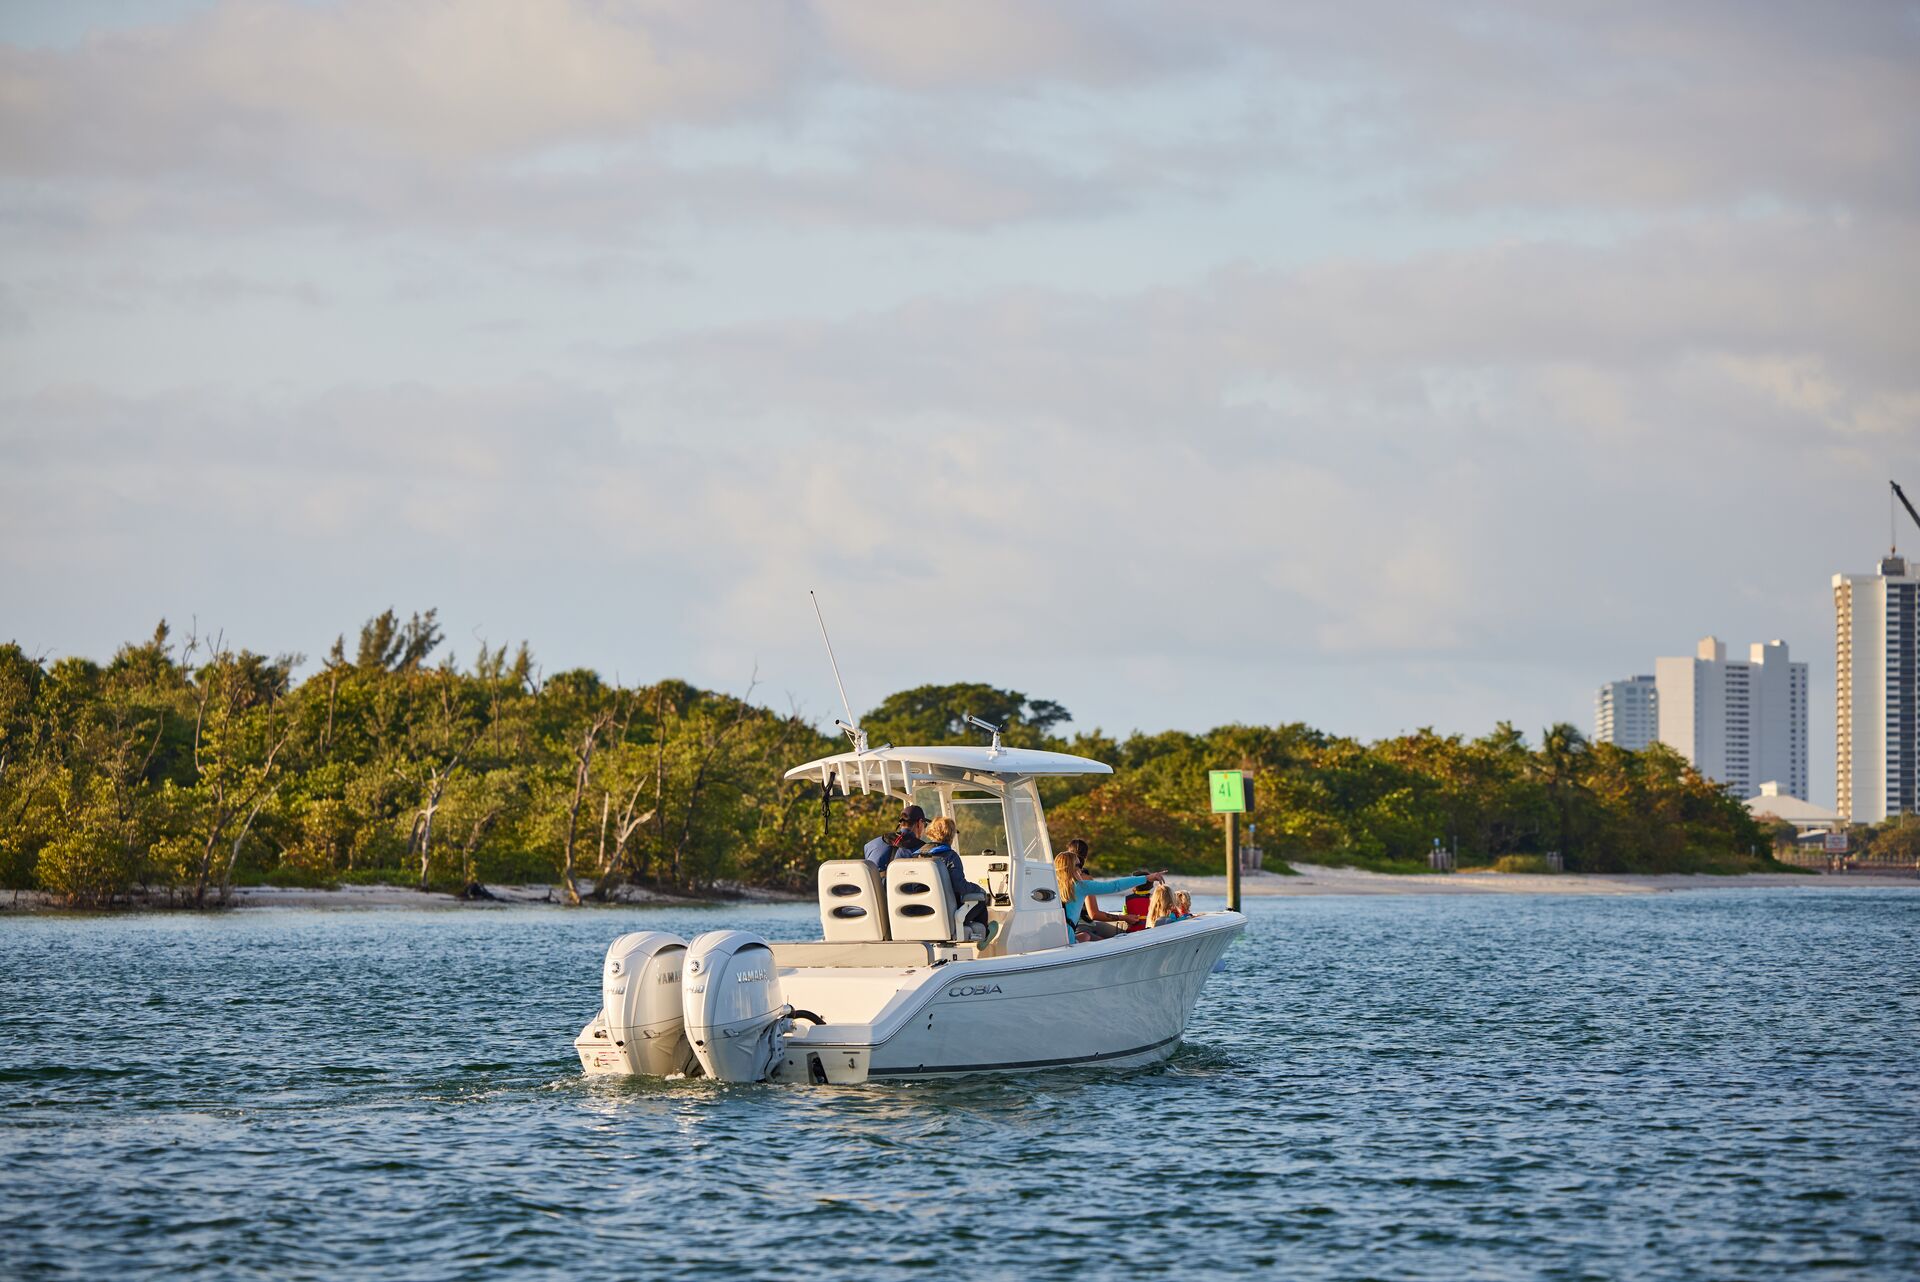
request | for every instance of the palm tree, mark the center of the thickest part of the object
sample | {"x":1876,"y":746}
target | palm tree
{"x":1563,"y":751}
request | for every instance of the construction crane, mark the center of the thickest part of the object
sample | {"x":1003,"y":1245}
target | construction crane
{"x":1902,"y":496}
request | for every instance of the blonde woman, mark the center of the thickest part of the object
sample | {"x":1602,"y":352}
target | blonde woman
{"x":940,"y":846}
{"x":1069,"y":870}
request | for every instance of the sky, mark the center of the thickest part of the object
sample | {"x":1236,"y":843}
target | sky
{"x":1378,"y":366}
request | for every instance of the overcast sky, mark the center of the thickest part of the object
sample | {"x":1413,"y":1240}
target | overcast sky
{"x":1395,"y":365}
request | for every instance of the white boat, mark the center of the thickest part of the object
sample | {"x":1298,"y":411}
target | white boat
{"x":895,"y":988}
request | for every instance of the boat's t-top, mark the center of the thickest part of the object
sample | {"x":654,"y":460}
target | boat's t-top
{"x":1000,"y":831}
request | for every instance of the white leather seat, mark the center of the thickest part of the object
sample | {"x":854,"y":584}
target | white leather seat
{"x":852,"y":904}
{"x":920,"y":902}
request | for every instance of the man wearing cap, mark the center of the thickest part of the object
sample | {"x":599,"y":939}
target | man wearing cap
{"x":904,"y":840}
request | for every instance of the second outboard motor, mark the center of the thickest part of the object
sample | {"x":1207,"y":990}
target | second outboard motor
{"x":735,"y":1019}
{"x":640,"y":988}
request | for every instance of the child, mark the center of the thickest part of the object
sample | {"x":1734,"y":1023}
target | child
{"x":1168,"y":905}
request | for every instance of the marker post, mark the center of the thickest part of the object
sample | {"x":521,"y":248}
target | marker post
{"x":1231,"y":794}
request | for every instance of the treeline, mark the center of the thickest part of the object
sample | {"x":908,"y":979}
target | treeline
{"x":1893,"y":841}
{"x":1499,"y":801}
{"x":185,"y":766}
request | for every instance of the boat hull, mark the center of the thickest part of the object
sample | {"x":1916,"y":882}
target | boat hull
{"x":1113,"y":1004}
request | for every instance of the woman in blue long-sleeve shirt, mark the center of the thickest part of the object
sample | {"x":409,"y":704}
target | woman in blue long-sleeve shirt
{"x":1075,"y":885}
{"x":939,"y":848}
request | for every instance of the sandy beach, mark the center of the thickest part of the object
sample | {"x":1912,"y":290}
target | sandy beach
{"x":1312,"y":879}
{"x":381,"y":896}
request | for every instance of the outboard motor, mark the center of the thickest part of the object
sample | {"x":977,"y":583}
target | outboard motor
{"x":640,"y":1019}
{"x":734,"y":1016}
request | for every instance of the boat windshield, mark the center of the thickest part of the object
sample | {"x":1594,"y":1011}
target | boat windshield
{"x":980,"y":824}
{"x":1029,"y":823}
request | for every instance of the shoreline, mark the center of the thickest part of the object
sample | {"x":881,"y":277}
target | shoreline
{"x":385,"y":896}
{"x":1324,"y":879}
{"x":1309,"y":880}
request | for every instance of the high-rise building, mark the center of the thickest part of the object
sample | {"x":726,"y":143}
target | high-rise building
{"x":1741,"y":723}
{"x":1877,"y":687}
{"x":1626,"y":713}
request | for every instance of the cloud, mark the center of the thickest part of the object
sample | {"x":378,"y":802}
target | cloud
{"x":126,"y":287}
{"x":1008,"y":44}
{"x":1620,"y":106}
{"x":1527,"y":454}
{"x":453,"y":83}
{"x":1381,"y":365}
{"x":507,"y":111}
{"x":1358,"y":338}
{"x":1009,"y":525}
{"x":436,"y":82}
{"x":504,"y":112}
{"x":1373,"y":421}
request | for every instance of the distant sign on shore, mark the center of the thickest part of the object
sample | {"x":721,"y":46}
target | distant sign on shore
{"x":1835,"y":843}
{"x":1228,"y":791}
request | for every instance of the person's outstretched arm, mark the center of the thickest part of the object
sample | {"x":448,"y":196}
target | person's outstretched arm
{"x":1113,"y":885}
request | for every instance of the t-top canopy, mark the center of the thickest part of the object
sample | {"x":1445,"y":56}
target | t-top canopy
{"x":985,"y":761}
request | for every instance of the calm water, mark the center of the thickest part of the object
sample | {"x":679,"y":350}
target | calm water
{"x":1717,"y":1085}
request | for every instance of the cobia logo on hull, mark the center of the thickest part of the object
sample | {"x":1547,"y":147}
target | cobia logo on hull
{"x":973,"y":990}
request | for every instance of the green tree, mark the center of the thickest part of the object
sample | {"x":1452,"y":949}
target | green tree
{"x":441,"y":739}
{"x":1559,"y":767}
{"x":934,"y":714}
{"x":1896,"y":839}
{"x":239,"y":734}
{"x":387,"y":645}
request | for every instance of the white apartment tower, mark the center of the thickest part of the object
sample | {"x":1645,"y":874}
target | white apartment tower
{"x":1626,"y":713}
{"x":1877,"y":688}
{"x":1741,"y":723}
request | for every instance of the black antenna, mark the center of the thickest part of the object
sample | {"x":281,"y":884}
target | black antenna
{"x":1900,"y":494}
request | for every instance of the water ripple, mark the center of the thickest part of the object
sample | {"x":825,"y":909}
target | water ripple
{"x":1702,"y":1086}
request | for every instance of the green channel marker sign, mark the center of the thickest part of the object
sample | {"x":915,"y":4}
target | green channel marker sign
{"x":1228,"y":791}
